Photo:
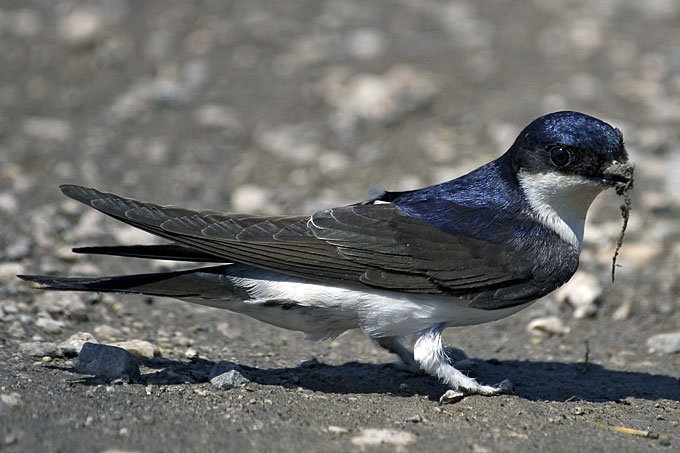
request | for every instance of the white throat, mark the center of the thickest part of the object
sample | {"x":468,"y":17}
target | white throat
{"x":561,"y":202}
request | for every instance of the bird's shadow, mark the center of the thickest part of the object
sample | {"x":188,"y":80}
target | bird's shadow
{"x":533,"y":380}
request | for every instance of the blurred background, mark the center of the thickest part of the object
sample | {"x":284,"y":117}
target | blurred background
{"x":289,"y":106}
{"x":294,"y":106}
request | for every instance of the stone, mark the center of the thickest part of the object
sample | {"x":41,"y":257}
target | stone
{"x":227,"y":375}
{"x":140,"y":348}
{"x":74,"y":343}
{"x":547,"y":324}
{"x":81,"y":27}
{"x":581,"y":292}
{"x":11,"y":399}
{"x":40,"y":349}
{"x":229,"y":380}
{"x":664,"y":343}
{"x":107,"y":333}
{"x":107,"y":362}
{"x":375,"y":437}
{"x":49,"y":325}
{"x":333,"y":429}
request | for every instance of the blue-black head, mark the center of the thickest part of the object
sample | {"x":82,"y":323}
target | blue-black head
{"x":571,"y":143}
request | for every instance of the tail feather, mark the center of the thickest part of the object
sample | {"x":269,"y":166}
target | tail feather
{"x":172,"y":252}
{"x":202,"y":283}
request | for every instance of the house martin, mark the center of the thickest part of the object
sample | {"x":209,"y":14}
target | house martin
{"x":471,"y":250}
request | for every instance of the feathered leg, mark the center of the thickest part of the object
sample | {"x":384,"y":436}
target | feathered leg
{"x":430,"y":353}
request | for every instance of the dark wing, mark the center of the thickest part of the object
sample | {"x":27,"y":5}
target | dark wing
{"x":371,"y":244}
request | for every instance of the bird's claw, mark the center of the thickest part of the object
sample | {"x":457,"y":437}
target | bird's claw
{"x":452,"y":396}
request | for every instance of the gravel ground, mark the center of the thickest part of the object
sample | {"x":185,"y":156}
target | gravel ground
{"x":295,"y":105}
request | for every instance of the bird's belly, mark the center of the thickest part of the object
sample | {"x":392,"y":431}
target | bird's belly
{"x":324,"y":311}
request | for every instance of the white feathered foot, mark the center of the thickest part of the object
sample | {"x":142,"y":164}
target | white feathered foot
{"x":429,"y":356}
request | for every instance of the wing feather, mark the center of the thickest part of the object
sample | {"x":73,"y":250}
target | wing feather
{"x":372,"y":244}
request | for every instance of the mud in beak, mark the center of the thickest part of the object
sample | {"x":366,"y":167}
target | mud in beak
{"x":620,"y":176}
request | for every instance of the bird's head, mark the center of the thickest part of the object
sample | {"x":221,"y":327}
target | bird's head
{"x":578,"y":148}
{"x":562,"y":161}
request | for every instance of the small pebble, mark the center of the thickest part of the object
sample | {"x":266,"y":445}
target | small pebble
{"x":141,"y":348}
{"x":81,"y":27}
{"x":332,"y":429}
{"x":40,"y":349}
{"x":227,"y":375}
{"x":72,"y":346}
{"x":10,"y":399}
{"x":191,"y":353}
{"x":107,"y":333}
{"x":49,"y":325}
{"x":10,"y":439}
{"x":664,"y":343}
{"x":373,"y":437}
{"x":581,"y":292}
{"x":547,"y":324}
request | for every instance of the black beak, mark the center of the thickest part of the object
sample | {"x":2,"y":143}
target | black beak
{"x":619,"y":174}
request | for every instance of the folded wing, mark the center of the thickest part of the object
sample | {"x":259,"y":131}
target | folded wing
{"x":365,"y":244}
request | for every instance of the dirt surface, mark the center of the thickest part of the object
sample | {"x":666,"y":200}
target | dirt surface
{"x":296,"y":105}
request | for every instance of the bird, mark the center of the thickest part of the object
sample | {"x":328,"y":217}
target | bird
{"x":400,"y":264}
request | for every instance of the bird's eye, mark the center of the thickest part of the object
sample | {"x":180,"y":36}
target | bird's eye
{"x":559,"y":156}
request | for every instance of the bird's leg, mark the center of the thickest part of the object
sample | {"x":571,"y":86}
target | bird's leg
{"x":395,"y":346}
{"x":430,"y":353}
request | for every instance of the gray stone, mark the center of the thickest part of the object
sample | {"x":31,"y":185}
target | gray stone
{"x":40,"y":349}
{"x":75,"y":342}
{"x":582,"y":293}
{"x":81,"y":27}
{"x":664,"y":343}
{"x":229,"y":380}
{"x":107,"y":362}
{"x":227,"y":375}
{"x":49,"y":325}
{"x":140,"y":348}
{"x":107,"y":333}
{"x":547,"y":324}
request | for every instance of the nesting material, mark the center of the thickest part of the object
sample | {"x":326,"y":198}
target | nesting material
{"x":623,"y":189}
